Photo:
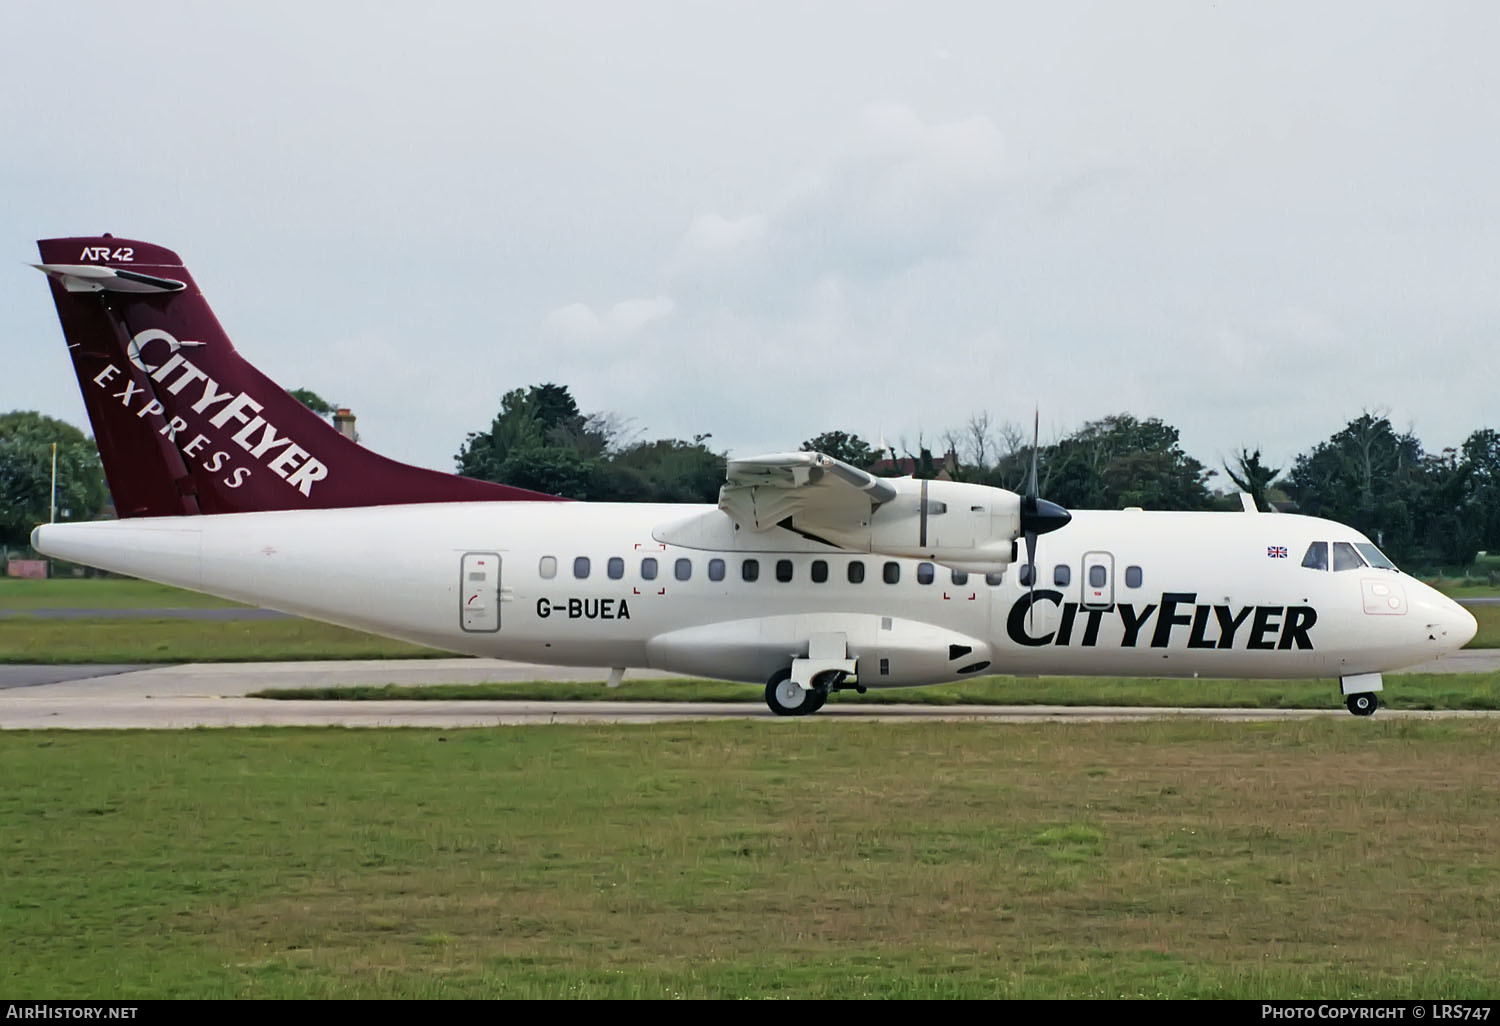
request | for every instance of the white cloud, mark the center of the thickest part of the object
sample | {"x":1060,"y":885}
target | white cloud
{"x":578,"y":323}
{"x":714,"y":234}
{"x":1248,"y":219}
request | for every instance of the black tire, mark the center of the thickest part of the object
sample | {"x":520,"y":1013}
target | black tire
{"x":782,"y":700}
{"x":1363,"y":704}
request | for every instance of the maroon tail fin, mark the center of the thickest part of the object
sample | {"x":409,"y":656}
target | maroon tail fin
{"x":184,"y":424}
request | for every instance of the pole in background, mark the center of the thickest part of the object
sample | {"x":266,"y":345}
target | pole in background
{"x":53,"y":519}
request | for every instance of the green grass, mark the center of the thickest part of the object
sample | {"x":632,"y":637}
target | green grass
{"x":25,"y":639}
{"x":1331,"y":859}
{"x":100,"y":593}
{"x":1463,"y":587}
{"x":1488,"y":618}
{"x":1403,"y":691}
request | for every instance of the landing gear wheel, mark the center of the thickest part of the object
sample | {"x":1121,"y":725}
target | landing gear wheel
{"x":788,"y":698}
{"x":1363,"y":704}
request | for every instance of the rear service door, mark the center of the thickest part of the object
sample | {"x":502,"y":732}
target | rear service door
{"x":479,"y":592}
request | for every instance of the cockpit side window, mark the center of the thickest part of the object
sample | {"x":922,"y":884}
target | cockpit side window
{"x":1374,"y":556}
{"x":1317,"y":556}
{"x":1345,"y":558}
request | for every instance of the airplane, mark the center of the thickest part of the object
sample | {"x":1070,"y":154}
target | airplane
{"x":809,"y":576}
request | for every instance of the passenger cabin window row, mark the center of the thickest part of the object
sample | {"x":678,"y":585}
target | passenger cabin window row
{"x":1062,"y":576}
{"x":785,"y":571}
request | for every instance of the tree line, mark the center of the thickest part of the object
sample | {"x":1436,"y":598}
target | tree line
{"x":1424,"y":509}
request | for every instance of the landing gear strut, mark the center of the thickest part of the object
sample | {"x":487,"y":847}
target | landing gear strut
{"x":1363,"y":704}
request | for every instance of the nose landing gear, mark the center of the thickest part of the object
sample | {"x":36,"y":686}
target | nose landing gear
{"x":1359,"y":692}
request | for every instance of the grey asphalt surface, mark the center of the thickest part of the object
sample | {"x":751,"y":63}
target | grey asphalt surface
{"x":27,"y":675}
{"x":250,"y":712}
{"x":213,"y":695}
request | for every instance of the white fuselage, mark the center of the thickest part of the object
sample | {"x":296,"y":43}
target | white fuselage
{"x":1179,"y":594}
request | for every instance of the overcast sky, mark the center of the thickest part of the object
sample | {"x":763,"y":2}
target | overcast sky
{"x":767,"y":220}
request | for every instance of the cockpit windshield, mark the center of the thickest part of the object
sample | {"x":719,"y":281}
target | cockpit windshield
{"x":1345,"y":558}
{"x":1317,"y":556}
{"x":1374,"y":556}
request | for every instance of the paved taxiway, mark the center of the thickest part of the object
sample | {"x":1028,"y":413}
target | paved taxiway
{"x":213,"y":695}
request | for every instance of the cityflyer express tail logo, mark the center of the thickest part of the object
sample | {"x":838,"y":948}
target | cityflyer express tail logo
{"x":198,"y":404}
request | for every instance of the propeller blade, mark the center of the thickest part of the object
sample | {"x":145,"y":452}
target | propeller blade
{"x":1038,"y":516}
{"x":1036,"y":429}
{"x":1031,"y":562}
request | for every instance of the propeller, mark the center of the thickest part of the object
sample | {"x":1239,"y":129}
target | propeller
{"x":1038,"y":516}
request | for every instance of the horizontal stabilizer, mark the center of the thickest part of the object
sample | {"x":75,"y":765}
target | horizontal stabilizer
{"x":94,"y":278}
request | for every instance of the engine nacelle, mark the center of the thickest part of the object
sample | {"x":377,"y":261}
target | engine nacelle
{"x":964,"y":526}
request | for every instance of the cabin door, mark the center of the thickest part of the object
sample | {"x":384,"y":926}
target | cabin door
{"x":479,"y":592}
{"x":1098,"y":580}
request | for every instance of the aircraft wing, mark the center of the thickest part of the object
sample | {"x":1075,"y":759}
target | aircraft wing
{"x":820,"y":491}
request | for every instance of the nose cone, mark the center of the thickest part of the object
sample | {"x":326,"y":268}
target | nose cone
{"x":1447,"y":624}
{"x":1464,"y":625}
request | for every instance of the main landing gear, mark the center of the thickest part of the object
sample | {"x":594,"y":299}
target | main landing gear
{"x":1362,"y":704}
{"x":788,"y":698}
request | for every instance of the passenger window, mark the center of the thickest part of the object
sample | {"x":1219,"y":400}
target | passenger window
{"x":715,"y":569}
{"x":856,"y":572}
{"x":925,"y":573}
{"x":1028,"y":574}
{"x":581,"y":567}
{"x":960,"y":577}
{"x":648,"y":568}
{"x":682,"y":569}
{"x":783,"y":570}
{"x":615,"y":568}
{"x":1132,"y":577}
{"x":819,"y":571}
{"x":1317,"y":556}
{"x":548,"y":568}
{"x":1062,"y":574}
{"x":1345,"y":558}
{"x":994,"y":578}
{"x":891,"y":572}
{"x":750,"y":570}
{"x":1097,"y":576}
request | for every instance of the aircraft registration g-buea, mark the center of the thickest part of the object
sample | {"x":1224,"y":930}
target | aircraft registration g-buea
{"x":807,"y":577}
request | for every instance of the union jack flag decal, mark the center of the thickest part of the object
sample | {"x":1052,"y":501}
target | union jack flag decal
{"x":1276,"y":551}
